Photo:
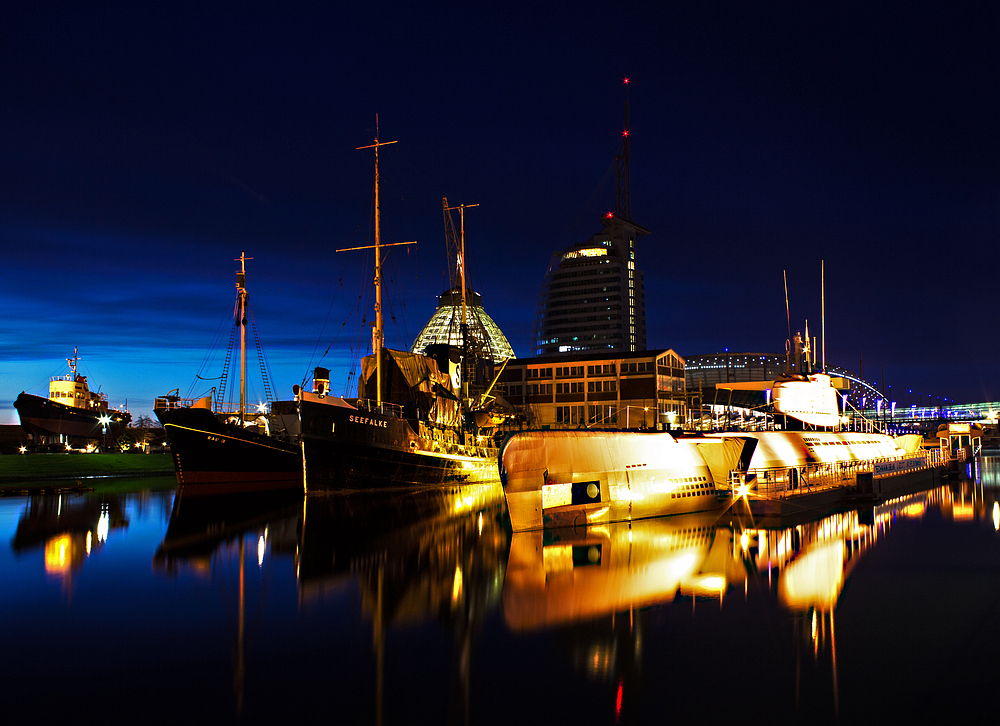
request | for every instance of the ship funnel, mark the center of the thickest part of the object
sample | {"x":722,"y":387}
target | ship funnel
{"x":321,"y":381}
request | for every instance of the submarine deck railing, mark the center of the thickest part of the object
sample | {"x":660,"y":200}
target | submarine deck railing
{"x":784,"y":482}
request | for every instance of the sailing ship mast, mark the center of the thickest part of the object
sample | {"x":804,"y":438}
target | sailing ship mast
{"x":241,"y":311}
{"x":377,"y":333}
{"x":461,"y":274}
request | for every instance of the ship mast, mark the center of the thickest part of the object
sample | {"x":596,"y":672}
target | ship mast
{"x":461,"y":276}
{"x":377,"y":333}
{"x":73,"y":361}
{"x":241,"y":310}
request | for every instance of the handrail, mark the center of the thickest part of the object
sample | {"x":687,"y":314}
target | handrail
{"x":385,"y":408}
{"x":780,"y":482}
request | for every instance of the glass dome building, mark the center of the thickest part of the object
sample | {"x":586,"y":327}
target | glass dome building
{"x":445,"y":326}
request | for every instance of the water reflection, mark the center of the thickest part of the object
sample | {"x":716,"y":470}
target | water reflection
{"x":415,"y":557}
{"x":418,"y":606}
{"x":411,"y":557}
{"x":558,"y":576}
{"x":202,"y":526}
{"x":594,"y":586}
{"x":68,"y":527}
{"x":206,"y":534}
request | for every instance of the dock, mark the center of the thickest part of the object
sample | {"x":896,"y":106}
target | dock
{"x":783,"y":497}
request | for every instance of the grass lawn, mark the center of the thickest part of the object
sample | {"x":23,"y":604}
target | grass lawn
{"x":42,"y":467}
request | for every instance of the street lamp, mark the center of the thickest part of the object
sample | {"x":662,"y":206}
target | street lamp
{"x":644,"y":409}
{"x":105,"y":420}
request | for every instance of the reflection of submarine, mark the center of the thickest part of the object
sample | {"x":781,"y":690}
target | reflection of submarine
{"x":558,"y":577}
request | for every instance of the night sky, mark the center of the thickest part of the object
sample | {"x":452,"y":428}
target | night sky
{"x":143,"y":147}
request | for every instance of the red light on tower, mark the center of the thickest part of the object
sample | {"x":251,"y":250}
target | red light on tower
{"x":610,"y":215}
{"x":625,"y":81}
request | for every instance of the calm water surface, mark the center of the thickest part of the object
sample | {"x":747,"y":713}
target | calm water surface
{"x":149,"y":608}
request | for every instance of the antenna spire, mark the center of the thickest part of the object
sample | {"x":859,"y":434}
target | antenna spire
{"x":623,"y":193}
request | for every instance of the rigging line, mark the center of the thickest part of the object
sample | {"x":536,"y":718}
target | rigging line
{"x":343,"y":325}
{"x":360,"y":303}
{"x":265,"y":369}
{"x":340,"y":284}
{"x":209,"y":360}
{"x":396,"y":298}
{"x":366,"y":219}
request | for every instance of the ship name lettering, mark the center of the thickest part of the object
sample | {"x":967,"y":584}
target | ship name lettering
{"x":368,"y":421}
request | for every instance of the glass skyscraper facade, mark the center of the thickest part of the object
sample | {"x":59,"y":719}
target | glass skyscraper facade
{"x":593,"y":298}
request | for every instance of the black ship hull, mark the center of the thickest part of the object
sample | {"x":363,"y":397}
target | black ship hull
{"x":214,"y":457}
{"x":42,"y":417}
{"x":345,"y":448}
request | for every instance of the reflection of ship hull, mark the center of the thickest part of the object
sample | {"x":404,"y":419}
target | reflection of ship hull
{"x":406,"y":533}
{"x":562,"y":576}
{"x":43,"y":417}
{"x":47,"y":517}
{"x":347,"y":448}
{"x":574,"y":478}
{"x":214,"y":457}
{"x":199,"y":525}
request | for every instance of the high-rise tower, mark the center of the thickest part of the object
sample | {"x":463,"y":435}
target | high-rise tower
{"x":593,"y":296}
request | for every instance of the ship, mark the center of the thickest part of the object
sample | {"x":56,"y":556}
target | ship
{"x":72,"y":412}
{"x":574,"y":478}
{"x":417,"y":421}
{"x":221,"y":447}
{"x":554,"y":478}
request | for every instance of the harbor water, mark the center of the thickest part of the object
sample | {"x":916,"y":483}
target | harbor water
{"x":145,"y":607}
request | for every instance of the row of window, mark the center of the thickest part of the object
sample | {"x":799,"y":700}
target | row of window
{"x":538,"y":373}
{"x":574,"y":415}
{"x":561,"y":307}
{"x":606,"y":369}
{"x":587,"y":291}
{"x":642,"y":366}
{"x":545,"y":389}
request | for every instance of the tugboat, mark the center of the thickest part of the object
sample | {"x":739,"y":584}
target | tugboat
{"x":222,"y":449}
{"x":415,"y":423}
{"x":72,"y":411}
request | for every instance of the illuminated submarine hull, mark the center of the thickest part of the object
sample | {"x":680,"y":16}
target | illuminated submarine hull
{"x":576,"y":478}
{"x":784,"y":449}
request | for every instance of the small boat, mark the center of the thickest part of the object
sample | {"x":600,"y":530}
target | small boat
{"x":414,"y":423}
{"x":72,"y":411}
{"x":221,"y":448}
{"x":555,"y":478}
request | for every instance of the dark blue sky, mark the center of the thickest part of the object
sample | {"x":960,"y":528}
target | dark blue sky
{"x":142,"y":148}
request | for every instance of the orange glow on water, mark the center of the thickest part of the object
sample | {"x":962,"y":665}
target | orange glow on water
{"x":58,"y":554}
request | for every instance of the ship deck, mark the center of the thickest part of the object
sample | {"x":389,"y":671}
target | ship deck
{"x":784,"y":497}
